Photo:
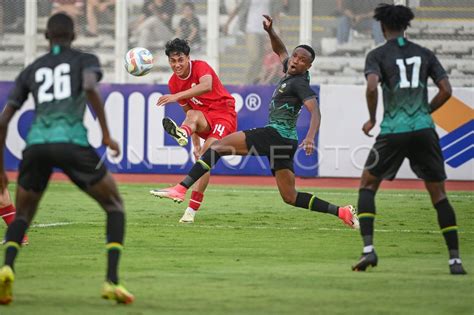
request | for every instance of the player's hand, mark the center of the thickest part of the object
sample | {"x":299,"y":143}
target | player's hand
{"x":308,"y":146}
{"x":112,"y":145}
{"x":166,"y":99}
{"x":367,"y":127}
{"x":268,"y":23}
{"x":3,"y":181}
{"x":197,"y":151}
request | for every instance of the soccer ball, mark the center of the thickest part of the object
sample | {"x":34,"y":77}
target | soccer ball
{"x":138,"y":61}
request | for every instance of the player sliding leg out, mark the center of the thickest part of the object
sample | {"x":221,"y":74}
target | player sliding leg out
{"x":278,"y":140}
{"x":402,"y":135}
{"x":209,"y":107}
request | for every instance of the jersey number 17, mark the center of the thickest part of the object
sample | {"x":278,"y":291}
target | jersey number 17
{"x":415,"y":74}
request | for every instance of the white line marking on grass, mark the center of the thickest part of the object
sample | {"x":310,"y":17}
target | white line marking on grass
{"x":242,"y":227}
{"x":46,"y":225}
{"x":337,"y":193}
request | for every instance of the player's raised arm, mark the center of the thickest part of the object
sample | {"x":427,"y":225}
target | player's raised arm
{"x":93,"y":96}
{"x":277,"y":44}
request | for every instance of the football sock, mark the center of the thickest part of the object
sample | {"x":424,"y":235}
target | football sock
{"x":187,"y":129}
{"x":313,"y":203}
{"x":115,"y":234}
{"x":8,"y":213}
{"x":15,"y":233}
{"x":201,"y":167}
{"x":447,"y":224}
{"x":366,"y":213}
{"x":196,"y":200}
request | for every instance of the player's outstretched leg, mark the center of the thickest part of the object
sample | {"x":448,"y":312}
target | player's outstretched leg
{"x":178,"y":133}
{"x":176,"y":193}
{"x":285,"y":179}
{"x":202,"y":166}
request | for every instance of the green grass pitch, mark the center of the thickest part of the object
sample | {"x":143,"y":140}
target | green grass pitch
{"x":247,"y":253}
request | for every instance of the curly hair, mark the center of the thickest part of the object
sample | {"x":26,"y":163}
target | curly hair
{"x":394,"y":17}
{"x":177,"y":45}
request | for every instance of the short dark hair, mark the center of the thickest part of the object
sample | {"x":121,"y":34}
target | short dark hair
{"x":189,"y":4}
{"x":394,"y":17}
{"x":177,"y":45}
{"x":60,"y":26}
{"x":309,"y":49}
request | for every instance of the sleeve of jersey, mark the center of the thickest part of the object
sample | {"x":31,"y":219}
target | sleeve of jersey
{"x":20,"y":91}
{"x":91,"y":63}
{"x":436,"y":70}
{"x":201,"y":69}
{"x":372,"y":65}
{"x":304,"y":91}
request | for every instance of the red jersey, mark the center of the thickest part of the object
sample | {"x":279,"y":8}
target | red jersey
{"x":217,"y":99}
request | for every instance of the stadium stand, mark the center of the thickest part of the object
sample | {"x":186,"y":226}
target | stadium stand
{"x":446,"y":27}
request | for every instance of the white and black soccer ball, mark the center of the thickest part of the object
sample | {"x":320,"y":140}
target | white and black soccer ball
{"x":138,"y":61}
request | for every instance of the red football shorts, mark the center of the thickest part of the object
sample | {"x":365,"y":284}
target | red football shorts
{"x":221,"y":123}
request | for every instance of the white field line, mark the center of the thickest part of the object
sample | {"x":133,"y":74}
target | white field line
{"x":339,"y":193}
{"x":242,"y":227}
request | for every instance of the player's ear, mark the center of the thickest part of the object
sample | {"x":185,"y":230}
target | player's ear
{"x":46,"y":35}
{"x":73,"y":36}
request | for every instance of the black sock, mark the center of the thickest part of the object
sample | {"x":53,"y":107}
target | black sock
{"x":201,"y":167}
{"x":15,"y":233}
{"x":313,"y":203}
{"x":447,"y":224}
{"x":366,"y":214}
{"x":115,"y":235}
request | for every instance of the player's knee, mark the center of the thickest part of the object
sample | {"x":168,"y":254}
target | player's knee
{"x":113,"y":203}
{"x":218,"y":147}
{"x":288,"y":197}
{"x":192,"y":114}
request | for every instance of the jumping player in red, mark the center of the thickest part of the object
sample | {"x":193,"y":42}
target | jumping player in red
{"x":210,"y":110}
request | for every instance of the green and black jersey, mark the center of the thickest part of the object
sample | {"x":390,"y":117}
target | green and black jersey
{"x":56,"y":81}
{"x":286,"y":103}
{"x":403,"y":68}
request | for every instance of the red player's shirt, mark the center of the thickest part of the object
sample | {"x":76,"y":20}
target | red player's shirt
{"x":216,"y":99}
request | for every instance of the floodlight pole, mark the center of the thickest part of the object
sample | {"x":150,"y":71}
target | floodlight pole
{"x":212,"y":36}
{"x":31,"y":22}
{"x":306,"y":22}
{"x":121,"y":40}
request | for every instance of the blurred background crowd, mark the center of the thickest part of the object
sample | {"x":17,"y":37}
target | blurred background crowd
{"x":343,"y":31}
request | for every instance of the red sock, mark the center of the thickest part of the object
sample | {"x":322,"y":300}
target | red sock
{"x":187,"y":129}
{"x":196,"y":199}
{"x":8,"y":213}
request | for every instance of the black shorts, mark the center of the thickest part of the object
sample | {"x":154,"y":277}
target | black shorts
{"x":421,"y":147}
{"x":268,"y":142}
{"x":81,"y":164}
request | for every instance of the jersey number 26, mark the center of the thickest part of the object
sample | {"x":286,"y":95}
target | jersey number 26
{"x":58,"y":78}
